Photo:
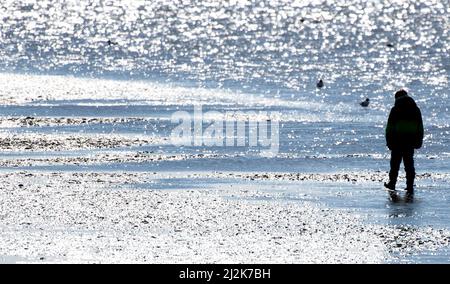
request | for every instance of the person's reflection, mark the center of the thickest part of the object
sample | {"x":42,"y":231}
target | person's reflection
{"x":402,"y":210}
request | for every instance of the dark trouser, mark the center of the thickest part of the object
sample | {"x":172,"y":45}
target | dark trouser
{"x":407,"y":155}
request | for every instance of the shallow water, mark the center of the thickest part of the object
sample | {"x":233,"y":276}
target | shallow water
{"x":251,"y":44}
{"x":247,"y":56}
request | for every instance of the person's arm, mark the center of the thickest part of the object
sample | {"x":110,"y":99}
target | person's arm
{"x":420,"y":131}
{"x":390,"y":128}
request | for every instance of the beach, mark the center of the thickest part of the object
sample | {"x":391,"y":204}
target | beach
{"x":220,"y":132}
{"x":119,"y":218}
{"x":86,"y":189}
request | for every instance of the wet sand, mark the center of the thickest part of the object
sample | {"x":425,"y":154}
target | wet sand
{"x":104,"y":217}
{"x":86,"y":218}
{"x":101,"y":216}
{"x":178,"y":217}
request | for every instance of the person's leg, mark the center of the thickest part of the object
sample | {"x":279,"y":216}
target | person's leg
{"x":396,"y":160}
{"x":408,"y":161}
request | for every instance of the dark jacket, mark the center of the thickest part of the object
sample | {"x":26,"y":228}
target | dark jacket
{"x":405,"y":127}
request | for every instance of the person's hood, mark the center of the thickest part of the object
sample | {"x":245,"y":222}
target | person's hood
{"x":405,"y":101}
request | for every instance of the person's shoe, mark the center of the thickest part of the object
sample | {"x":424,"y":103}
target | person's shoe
{"x":390,"y":186}
{"x":409,"y":197}
{"x":409,"y":190}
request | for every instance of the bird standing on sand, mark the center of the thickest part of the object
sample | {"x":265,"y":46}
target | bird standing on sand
{"x":365,"y":103}
{"x":320,"y":84}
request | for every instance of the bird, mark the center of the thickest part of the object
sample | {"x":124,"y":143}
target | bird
{"x":365,"y":103}
{"x":110,"y":42}
{"x":320,"y":84}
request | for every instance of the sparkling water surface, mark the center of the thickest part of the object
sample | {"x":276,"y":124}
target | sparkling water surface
{"x":151,"y":58}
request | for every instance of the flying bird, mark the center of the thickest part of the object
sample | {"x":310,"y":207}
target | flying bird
{"x":110,"y":42}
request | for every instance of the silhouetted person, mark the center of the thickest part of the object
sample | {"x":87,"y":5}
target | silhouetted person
{"x":404,"y":133}
{"x":365,"y":103}
{"x":320,"y":84}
